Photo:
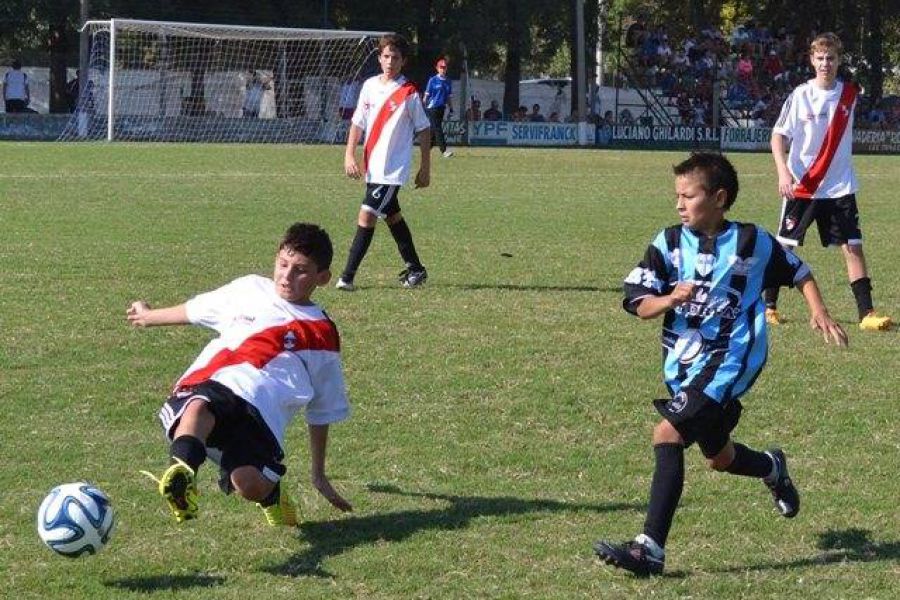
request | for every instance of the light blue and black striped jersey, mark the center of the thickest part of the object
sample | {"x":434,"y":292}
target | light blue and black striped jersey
{"x":716,"y":342}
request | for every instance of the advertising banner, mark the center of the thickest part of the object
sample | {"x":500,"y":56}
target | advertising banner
{"x":508,"y":133}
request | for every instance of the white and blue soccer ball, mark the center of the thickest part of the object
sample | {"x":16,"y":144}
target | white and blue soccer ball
{"x":75,"y":518}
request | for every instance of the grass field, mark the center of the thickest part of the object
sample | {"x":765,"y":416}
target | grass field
{"x":501,"y":414}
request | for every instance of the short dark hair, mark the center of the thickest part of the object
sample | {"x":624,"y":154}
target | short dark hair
{"x":717,"y":171}
{"x":397,"y":41}
{"x":311,"y":241}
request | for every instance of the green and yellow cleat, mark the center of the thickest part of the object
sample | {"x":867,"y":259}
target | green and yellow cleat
{"x":875,"y":322}
{"x":178,"y":488}
{"x":773,"y":317}
{"x":282,"y":512}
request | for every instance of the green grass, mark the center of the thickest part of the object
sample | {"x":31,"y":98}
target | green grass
{"x":501,"y":414}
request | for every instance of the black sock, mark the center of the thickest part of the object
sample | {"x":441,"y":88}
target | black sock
{"x":273,"y":497}
{"x":188,"y":449}
{"x":358,"y":250}
{"x":862,"y":291}
{"x":749,"y":463}
{"x":403,"y":237}
{"x":665,"y":491}
{"x":770,"y":295}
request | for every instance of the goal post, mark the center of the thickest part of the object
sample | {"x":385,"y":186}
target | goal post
{"x":194,"y":82}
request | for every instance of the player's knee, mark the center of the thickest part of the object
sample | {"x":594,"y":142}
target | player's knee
{"x":723,"y":459}
{"x":718,"y":463}
{"x":249,"y":483}
{"x":665,"y":433}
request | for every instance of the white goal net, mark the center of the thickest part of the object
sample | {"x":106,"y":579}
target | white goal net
{"x":185,"y":82}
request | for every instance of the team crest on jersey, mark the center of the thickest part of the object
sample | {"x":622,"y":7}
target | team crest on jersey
{"x":290,"y":340}
{"x":704,"y":264}
{"x":742,"y":266}
{"x":392,"y":106}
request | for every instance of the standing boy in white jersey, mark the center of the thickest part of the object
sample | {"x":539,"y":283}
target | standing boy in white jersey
{"x":276,"y":353}
{"x":812,"y":144}
{"x":390,"y":114}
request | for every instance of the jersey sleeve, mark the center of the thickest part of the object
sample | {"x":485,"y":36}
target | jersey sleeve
{"x":784,"y":267}
{"x":361,"y":113}
{"x":417,"y":113}
{"x":787,"y":120}
{"x":329,"y":403}
{"x":649,"y":278}
{"x":215,"y":308}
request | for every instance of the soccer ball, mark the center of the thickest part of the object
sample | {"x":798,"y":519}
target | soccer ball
{"x":75,"y":518}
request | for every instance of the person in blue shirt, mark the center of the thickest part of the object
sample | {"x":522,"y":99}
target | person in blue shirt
{"x":437,"y":100}
{"x":704,"y":278}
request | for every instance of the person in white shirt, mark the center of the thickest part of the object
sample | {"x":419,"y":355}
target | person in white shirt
{"x":812,"y":144}
{"x":16,"y":91}
{"x":276,"y":353}
{"x":390,"y":114}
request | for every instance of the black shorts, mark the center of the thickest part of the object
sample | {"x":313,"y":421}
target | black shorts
{"x":240,"y":436}
{"x":381,"y":199}
{"x":836,"y":218}
{"x":699,"y":418}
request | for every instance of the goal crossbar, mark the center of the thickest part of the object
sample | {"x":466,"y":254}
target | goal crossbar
{"x":171,"y":81}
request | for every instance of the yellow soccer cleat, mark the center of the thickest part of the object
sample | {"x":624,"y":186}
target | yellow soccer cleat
{"x":875,"y":322}
{"x":282,"y":512}
{"x":773,"y":317}
{"x":178,"y":488}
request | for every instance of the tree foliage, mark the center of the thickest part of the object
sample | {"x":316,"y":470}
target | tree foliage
{"x":507,"y":39}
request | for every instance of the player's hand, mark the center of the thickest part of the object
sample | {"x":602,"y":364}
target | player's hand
{"x":683,"y":292}
{"x":137,"y":312}
{"x":351,"y":167}
{"x":423,"y":179}
{"x":328,"y":492}
{"x":831,"y":331}
{"x":786,"y":186}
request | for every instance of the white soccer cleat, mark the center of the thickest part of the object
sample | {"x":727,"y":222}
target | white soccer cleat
{"x":345,"y":286}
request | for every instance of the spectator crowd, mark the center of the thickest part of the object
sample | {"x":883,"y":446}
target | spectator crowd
{"x":754,"y":68}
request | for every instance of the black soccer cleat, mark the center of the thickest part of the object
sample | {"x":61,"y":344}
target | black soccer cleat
{"x":410,"y":278}
{"x":785,"y":495}
{"x":631,"y":556}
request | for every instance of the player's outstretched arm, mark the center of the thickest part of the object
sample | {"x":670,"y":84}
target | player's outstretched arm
{"x":318,"y":442}
{"x":819,"y":319}
{"x":654,"y":306}
{"x":139,"y":314}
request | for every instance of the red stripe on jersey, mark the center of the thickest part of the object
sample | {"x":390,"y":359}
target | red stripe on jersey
{"x":819,"y":167}
{"x":263,"y":346}
{"x":387,"y":109}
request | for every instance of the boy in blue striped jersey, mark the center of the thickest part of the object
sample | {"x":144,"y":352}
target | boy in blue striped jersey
{"x":704,"y":277}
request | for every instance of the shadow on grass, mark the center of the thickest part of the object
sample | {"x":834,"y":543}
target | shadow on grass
{"x":331,"y":538}
{"x":837,"y":546}
{"x":506,"y":286}
{"x":170,"y":583}
{"x":532,"y":288}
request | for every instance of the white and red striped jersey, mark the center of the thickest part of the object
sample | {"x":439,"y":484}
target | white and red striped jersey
{"x":278,"y":356}
{"x":806,"y":119}
{"x":389,"y":133}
